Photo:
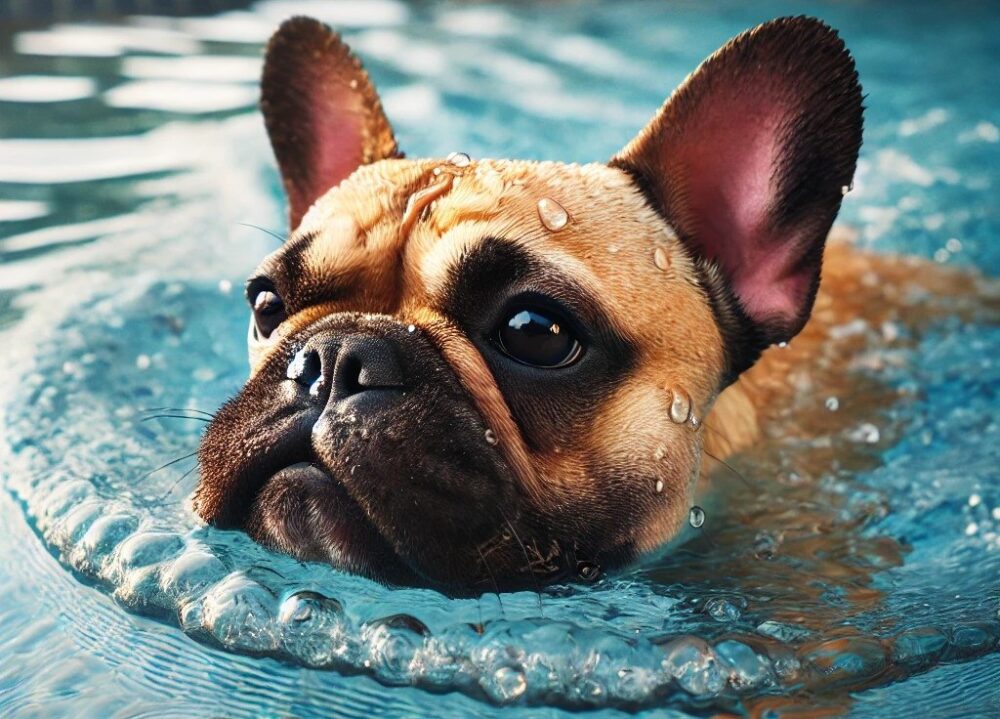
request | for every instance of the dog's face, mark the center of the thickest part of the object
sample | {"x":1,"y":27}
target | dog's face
{"x":482,"y":374}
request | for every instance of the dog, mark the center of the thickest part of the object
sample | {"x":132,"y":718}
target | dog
{"x":496,"y":374}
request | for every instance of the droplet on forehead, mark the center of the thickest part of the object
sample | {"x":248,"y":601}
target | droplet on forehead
{"x":459,"y":159}
{"x":661,"y":259}
{"x":553,"y":215}
{"x":680,"y":406}
{"x":696,"y":517}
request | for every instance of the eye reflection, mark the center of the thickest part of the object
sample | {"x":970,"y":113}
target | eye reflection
{"x":534,"y":337}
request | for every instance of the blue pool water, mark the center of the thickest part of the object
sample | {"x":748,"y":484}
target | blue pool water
{"x":854,"y":571}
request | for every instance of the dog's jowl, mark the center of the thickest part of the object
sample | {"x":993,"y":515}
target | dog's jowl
{"x":480,"y":374}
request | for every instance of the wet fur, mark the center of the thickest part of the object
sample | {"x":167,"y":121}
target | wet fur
{"x":589,"y":469}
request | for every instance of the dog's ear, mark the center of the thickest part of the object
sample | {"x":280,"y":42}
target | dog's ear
{"x":749,"y":160}
{"x":322,"y":113}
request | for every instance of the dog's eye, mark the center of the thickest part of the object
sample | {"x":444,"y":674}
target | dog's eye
{"x":539,"y":338}
{"x":268,"y":312}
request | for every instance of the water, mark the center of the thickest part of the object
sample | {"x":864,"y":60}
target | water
{"x":851,"y":565}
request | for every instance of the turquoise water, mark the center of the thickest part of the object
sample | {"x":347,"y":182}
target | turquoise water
{"x":859,"y":572}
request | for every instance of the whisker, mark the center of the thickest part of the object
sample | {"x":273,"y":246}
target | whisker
{"x":730,"y":468}
{"x":178,"y":409}
{"x":527,"y":559}
{"x":496,"y":587}
{"x":175,"y":416}
{"x":180,"y":479}
{"x":168,"y":464}
{"x":266,"y":231}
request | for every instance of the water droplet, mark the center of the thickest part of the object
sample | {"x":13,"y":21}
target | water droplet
{"x":975,"y":500}
{"x":844,"y":189}
{"x":694,"y":422}
{"x":995,"y":513}
{"x":867,"y":433}
{"x":143,"y":362}
{"x":661,"y":259}
{"x":411,"y":329}
{"x":316,"y":387}
{"x":696,"y":517}
{"x":354,"y":84}
{"x":491,"y":437}
{"x":660,"y":453}
{"x":832,"y":404}
{"x":971,"y":528}
{"x":953,"y":245}
{"x":941,"y":255}
{"x":459,"y":159}
{"x":553,"y":215}
{"x":680,"y":407}
{"x":659,"y":486}
{"x":783,"y":345}
{"x":225,"y":286}
{"x":613,"y":249}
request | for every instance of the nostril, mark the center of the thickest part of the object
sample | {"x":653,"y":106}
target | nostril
{"x":347,"y":375}
{"x":306,"y":367}
{"x":366,"y":364}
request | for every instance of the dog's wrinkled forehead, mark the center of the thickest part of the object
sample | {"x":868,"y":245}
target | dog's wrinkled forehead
{"x":396,"y":236}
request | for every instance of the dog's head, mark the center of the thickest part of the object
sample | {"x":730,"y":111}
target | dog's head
{"x":481,"y":374}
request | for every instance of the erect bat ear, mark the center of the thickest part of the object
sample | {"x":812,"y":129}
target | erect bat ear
{"x":749,"y":160}
{"x":321,"y":110}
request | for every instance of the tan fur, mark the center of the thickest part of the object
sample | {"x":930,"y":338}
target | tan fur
{"x":366,"y":240}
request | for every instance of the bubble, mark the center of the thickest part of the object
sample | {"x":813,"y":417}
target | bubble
{"x":845,"y":661}
{"x":692,"y":662}
{"x":238,"y":612}
{"x":102,"y":537}
{"x":392,"y":644}
{"x":192,"y":572}
{"x":661,"y":259}
{"x":459,"y":159}
{"x":696,"y":517}
{"x":507,"y":685}
{"x":145,"y":548}
{"x":308,"y":620}
{"x":553,"y":215}
{"x":918,"y":648}
{"x":745,"y":667}
{"x":491,"y":437}
{"x":722,"y":610}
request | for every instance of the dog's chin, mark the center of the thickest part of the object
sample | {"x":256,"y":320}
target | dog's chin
{"x":304,"y":511}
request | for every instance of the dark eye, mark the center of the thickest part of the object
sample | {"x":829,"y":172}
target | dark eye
{"x":538,"y":337}
{"x":268,"y":311}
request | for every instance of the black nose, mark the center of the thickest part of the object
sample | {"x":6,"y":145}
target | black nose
{"x":357,"y":373}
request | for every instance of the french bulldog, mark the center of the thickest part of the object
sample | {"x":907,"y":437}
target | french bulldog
{"x":481,"y":375}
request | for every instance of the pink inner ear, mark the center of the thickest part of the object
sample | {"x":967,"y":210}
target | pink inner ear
{"x":337,"y":118}
{"x":727,"y":159}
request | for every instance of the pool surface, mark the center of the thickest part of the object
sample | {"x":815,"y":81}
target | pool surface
{"x":849,"y":566}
